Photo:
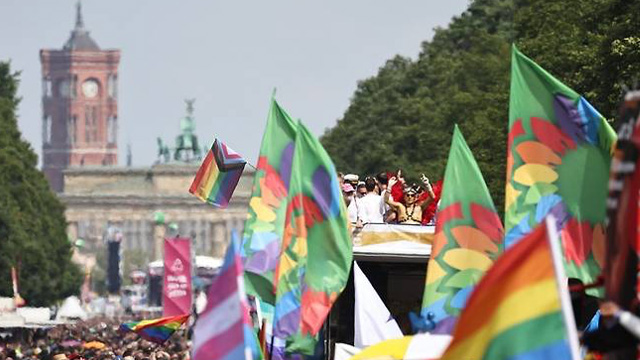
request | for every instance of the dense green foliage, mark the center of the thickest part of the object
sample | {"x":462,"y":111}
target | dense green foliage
{"x":32,"y":224}
{"x":403,"y":117}
{"x":592,"y":46}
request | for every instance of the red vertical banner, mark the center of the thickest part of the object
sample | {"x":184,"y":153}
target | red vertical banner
{"x":177,"y":277}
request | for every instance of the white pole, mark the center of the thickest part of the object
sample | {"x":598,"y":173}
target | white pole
{"x":563,"y":291}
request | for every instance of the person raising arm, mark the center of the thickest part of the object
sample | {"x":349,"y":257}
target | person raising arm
{"x":409,"y":211}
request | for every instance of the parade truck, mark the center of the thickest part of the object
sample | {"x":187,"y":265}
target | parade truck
{"x":394,"y":259}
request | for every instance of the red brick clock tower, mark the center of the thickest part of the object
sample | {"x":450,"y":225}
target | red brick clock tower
{"x":80,"y":105}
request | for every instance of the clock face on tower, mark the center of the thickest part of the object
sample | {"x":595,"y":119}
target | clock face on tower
{"x":90,"y":88}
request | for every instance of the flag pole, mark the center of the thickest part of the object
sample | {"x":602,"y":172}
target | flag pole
{"x":563,"y":291}
{"x":263,"y":337}
{"x":273,"y":336}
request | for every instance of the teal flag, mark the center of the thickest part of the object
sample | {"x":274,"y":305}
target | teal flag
{"x":316,"y":250}
{"x":264,"y":226}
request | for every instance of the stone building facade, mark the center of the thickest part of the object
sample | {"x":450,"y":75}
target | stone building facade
{"x":145,"y":205}
{"x":138,"y":206}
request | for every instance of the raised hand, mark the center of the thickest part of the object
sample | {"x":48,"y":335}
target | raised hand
{"x":427,"y":183}
{"x":425,"y":179}
{"x":392,"y":181}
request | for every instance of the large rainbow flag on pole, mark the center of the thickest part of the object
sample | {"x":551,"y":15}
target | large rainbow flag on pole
{"x":558,"y":163}
{"x":223,"y":329}
{"x":316,"y":251}
{"x":521,"y":307}
{"x":468,"y":239}
{"x":268,"y":204}
{"x":156,"y":330}
{"x":218,"y":175}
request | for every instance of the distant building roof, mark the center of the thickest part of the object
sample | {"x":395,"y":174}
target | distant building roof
{"x":80,"y":39}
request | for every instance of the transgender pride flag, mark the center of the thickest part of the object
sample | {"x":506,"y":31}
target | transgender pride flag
{"x":223,"y":330}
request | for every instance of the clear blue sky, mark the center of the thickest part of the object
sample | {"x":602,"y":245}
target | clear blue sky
{"x":229,"y":55}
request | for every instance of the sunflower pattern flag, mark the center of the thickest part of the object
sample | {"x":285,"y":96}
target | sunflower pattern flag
{"x":519,"y":310}
{"x":558,"y":163}
{"x":468,"y":239}
{"x":316,"y":248}
{"x":263,"y":228}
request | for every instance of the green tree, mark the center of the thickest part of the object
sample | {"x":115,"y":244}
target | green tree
{"x":592,"y":46}
{"x":404,"y":116}
{"x":32,"y":225}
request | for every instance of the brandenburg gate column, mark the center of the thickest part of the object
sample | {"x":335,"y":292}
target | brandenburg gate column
{"x":159,"y":233}
{"x":219,"y":234}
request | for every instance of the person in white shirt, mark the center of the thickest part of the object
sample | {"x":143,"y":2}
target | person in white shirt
{"x":371,"y":207}
{"x":348,"y":192}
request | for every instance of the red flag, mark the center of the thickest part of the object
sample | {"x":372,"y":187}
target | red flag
{"x":621,"y":262}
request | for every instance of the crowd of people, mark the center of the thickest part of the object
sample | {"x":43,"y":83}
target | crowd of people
{"x":96,"y":338}
{"x":390,"y":198}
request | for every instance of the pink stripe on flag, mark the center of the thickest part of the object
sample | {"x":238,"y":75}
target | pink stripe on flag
{"x":225,"y":284}
{"x":222,"y":344}
{"x":219,"y":320}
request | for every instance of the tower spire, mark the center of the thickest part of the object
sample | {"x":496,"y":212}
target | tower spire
{"x":79,"y":20}
{"x":80,"y":39}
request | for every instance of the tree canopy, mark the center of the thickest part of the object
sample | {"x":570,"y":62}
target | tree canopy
{"x":403,"y":116}
{"x":33,"y":235}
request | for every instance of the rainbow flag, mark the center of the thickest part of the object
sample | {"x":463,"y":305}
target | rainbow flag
{"x":218,"y":175}
{"x":156,"y":330}
{"x":517,"y":311}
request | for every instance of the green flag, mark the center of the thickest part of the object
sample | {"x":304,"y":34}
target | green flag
{"x":468,"y":239}
{"x":558,"y":163}
{"x":264,"y":226}
{"x":316,"y":250}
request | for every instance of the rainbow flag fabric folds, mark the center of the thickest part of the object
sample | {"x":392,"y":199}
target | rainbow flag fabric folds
{"x":265,"y":224}
{"x":218,"y":175}
{"x":156,"y":330}
{"x":468,"y":239}
{"x":559,"y":151}
{"x":316,"y":251}
{"x":515,"y":311}
{"x":223,"y":329}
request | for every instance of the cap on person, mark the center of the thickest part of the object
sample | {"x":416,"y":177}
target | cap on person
{"x":351,"y":178}
{"x":347,"y":188}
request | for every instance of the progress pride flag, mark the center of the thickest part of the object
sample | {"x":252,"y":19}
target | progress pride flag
{"x":177,"y":277}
